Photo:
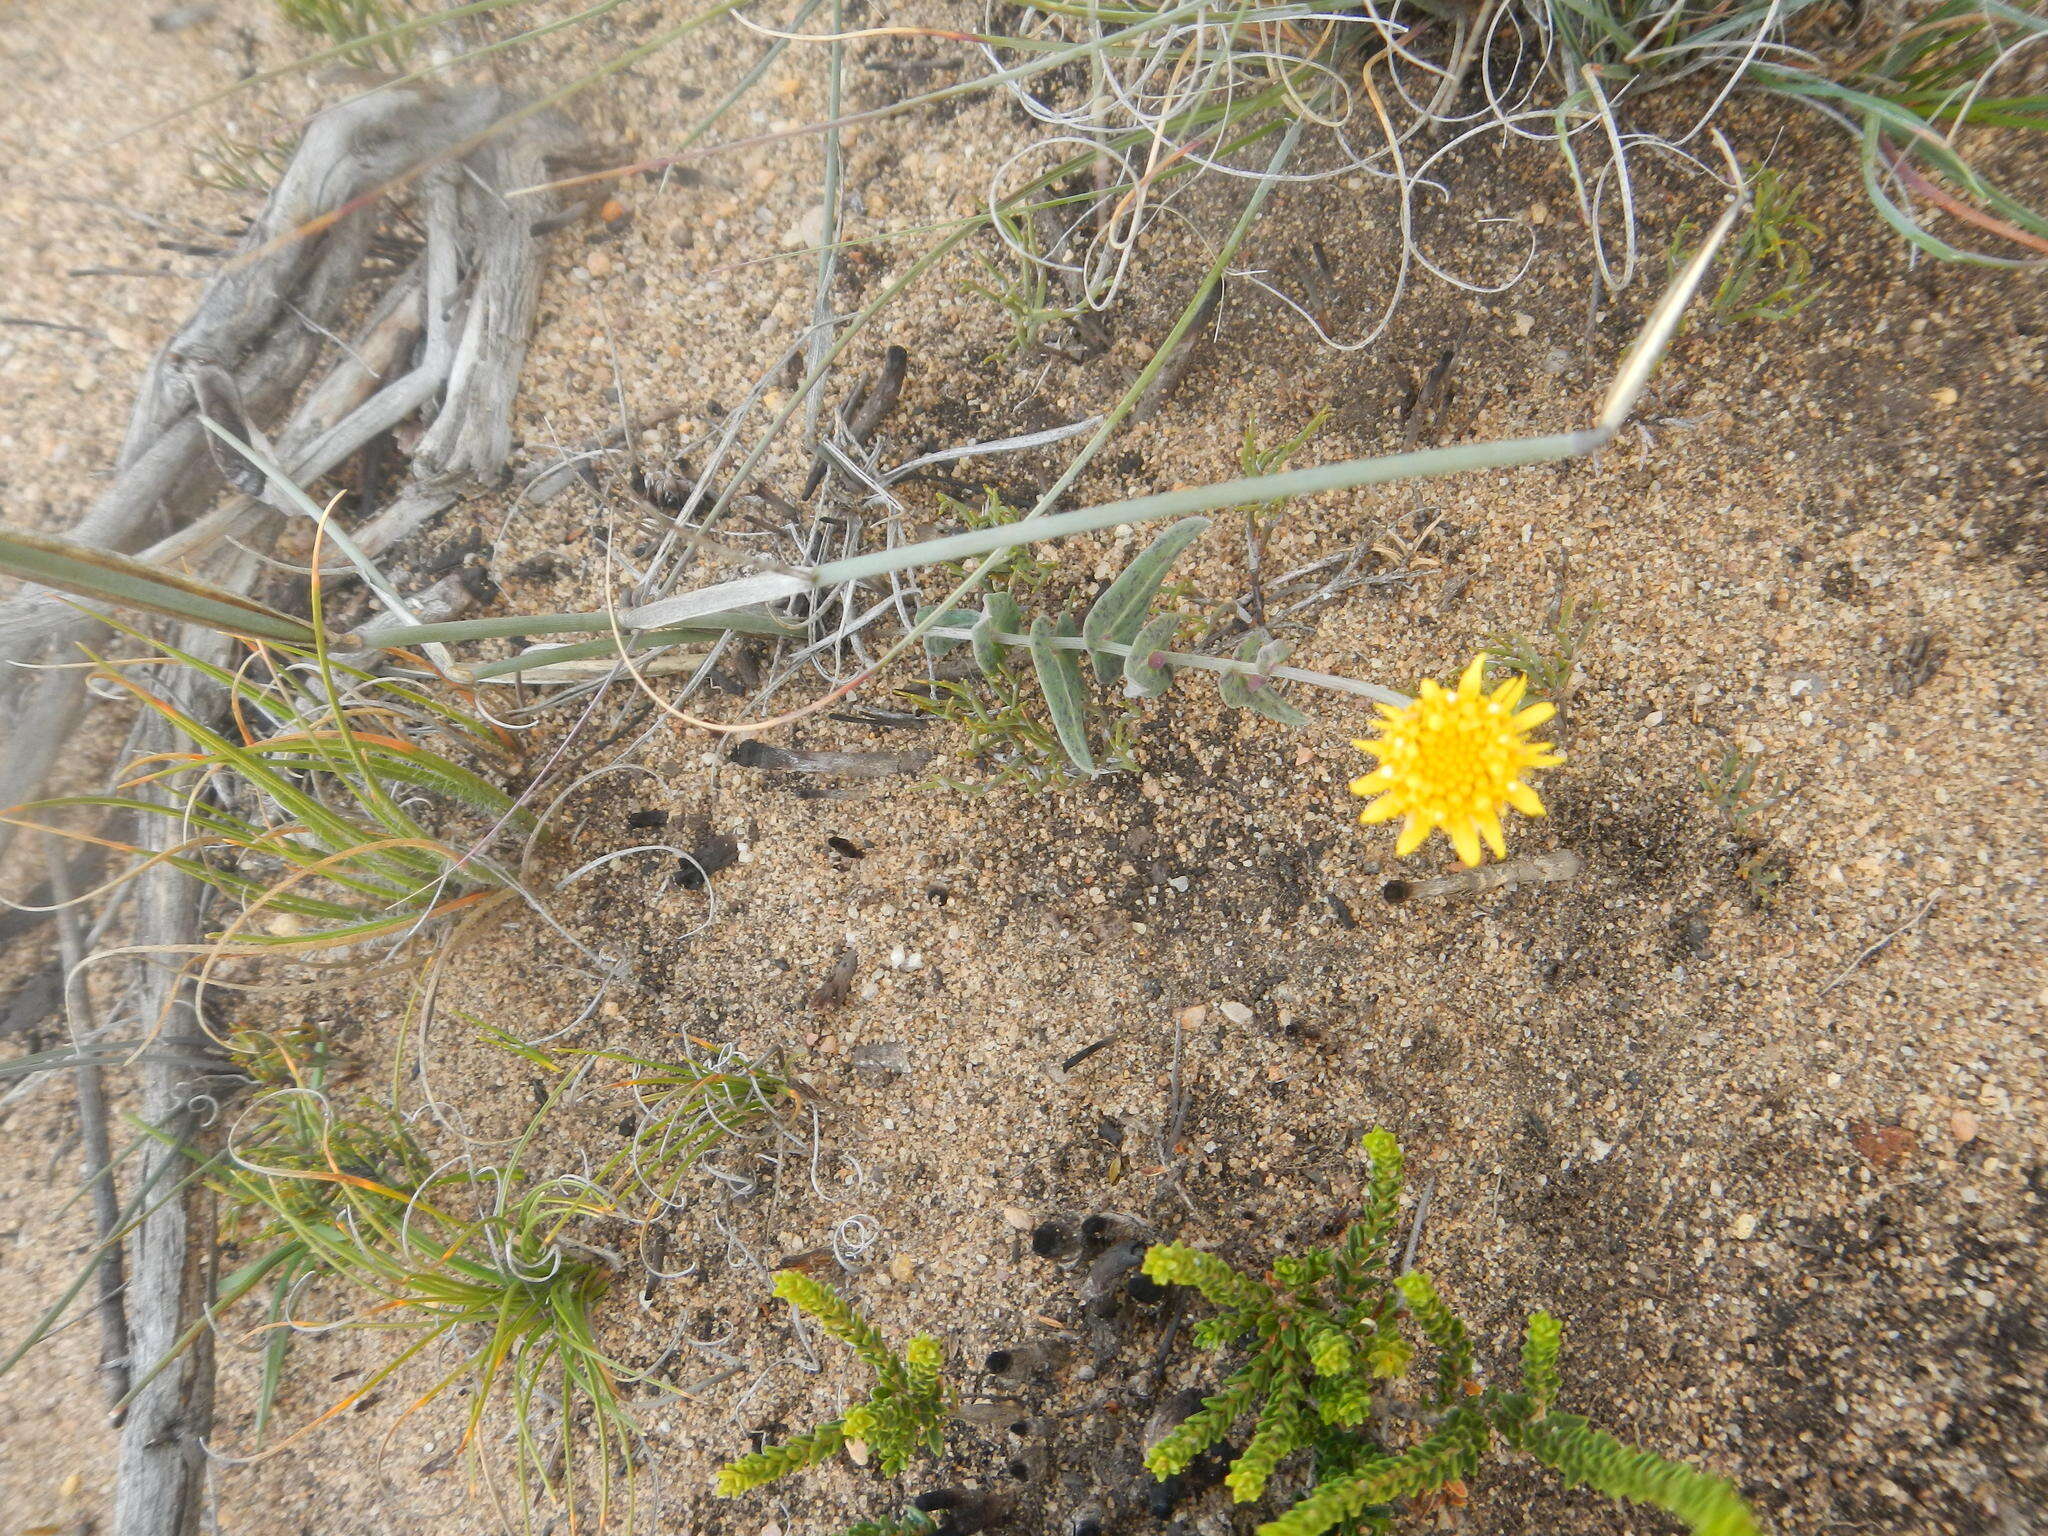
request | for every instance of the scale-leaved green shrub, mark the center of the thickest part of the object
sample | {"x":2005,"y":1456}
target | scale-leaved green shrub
{"x":1325,"y":1339}
{"x":906,"y":1411}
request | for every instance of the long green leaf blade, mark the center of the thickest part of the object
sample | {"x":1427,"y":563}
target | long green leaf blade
{"x":1059,"y":677}
{"x":106,"y":577}
{"x":1120,"y":612}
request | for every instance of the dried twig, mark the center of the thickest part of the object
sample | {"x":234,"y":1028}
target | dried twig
{"x":754,"y":753}
{"x":871,"y":402}
{"x":92,"y":1130}
{"x":1873,"y":948}
{"x":1562,"y":864}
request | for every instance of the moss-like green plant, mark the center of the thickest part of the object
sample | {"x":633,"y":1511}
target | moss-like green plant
{"x":912,"y":1522}
{"x":1326,"y":1339}
{"x":906,"y":1411}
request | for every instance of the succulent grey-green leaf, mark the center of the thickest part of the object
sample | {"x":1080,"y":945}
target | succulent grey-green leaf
{"x":1120,"y":611}
{"x":1257,"y":694}
{"x":1059,"y":678}
{"x":952,"y":618}
{"x":988,"y":650}
{"x":1142,"y":679}
{"x":1000,"y":613}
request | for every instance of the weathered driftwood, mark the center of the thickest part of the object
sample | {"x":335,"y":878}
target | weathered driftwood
{"x":254,"y":336}
{"x":159,"y":1484}
{"x":92,"y":1131}
{"x":754,"y":753}
{"x":445,"y":344}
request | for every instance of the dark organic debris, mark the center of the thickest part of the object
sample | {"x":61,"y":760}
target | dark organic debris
{"x":838,"y":983}
{"x":697,"y":867}
{"x":1085,"y":1052}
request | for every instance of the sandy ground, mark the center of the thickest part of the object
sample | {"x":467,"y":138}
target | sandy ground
{"x":1783,"y":1190}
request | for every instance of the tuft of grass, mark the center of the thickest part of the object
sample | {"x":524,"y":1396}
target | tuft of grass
{"x":1767,"y":271}
{"x":689,"y":1106}
{"x":240,"y":166}
{"x":319,"y":809}
{"x":334,"y":1204}
{"x":1018,"y":283}
{"x":359,"y":28}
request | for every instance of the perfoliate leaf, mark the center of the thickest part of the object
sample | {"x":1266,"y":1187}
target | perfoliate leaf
{"x":1120,"y":611}
{"x":1257,"y":694}
{"x":1059,"y":677}
{"x":1141,"y":678}
{"x":999,"y":612}
{"x":952,"y":618}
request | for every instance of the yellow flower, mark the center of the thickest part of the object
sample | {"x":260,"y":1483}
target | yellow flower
{"x":1452,"y":760}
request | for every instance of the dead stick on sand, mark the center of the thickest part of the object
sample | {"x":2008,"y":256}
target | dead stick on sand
{"x":1870,"y":949}
{"x":259,"y":326}
{"x":92,"y":1129}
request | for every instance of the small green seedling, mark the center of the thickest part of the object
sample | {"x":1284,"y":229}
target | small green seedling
{"x":1731,"y":787}
{"x":904,"y":1414}
{"x":1327,"y":1343}
{"x":1550,"y":660}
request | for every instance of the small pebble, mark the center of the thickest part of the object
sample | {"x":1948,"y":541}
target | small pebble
{"x":1018,"y":1217}
{"x":902,"y":1269}
{"x":1237,"y":1013}
{"x":1964,"y":1126}
{"x":1744,"y":1227}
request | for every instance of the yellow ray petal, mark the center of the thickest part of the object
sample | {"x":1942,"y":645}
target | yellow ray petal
{"x":1466,"y":841}
{"x":1533,"y":716}
{"x":1386,"y":808}
{"x":1474,"y":675}
{"x":1489,"y":828}
{"x":1525,"y":799}
{"x":1414,"y":832}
